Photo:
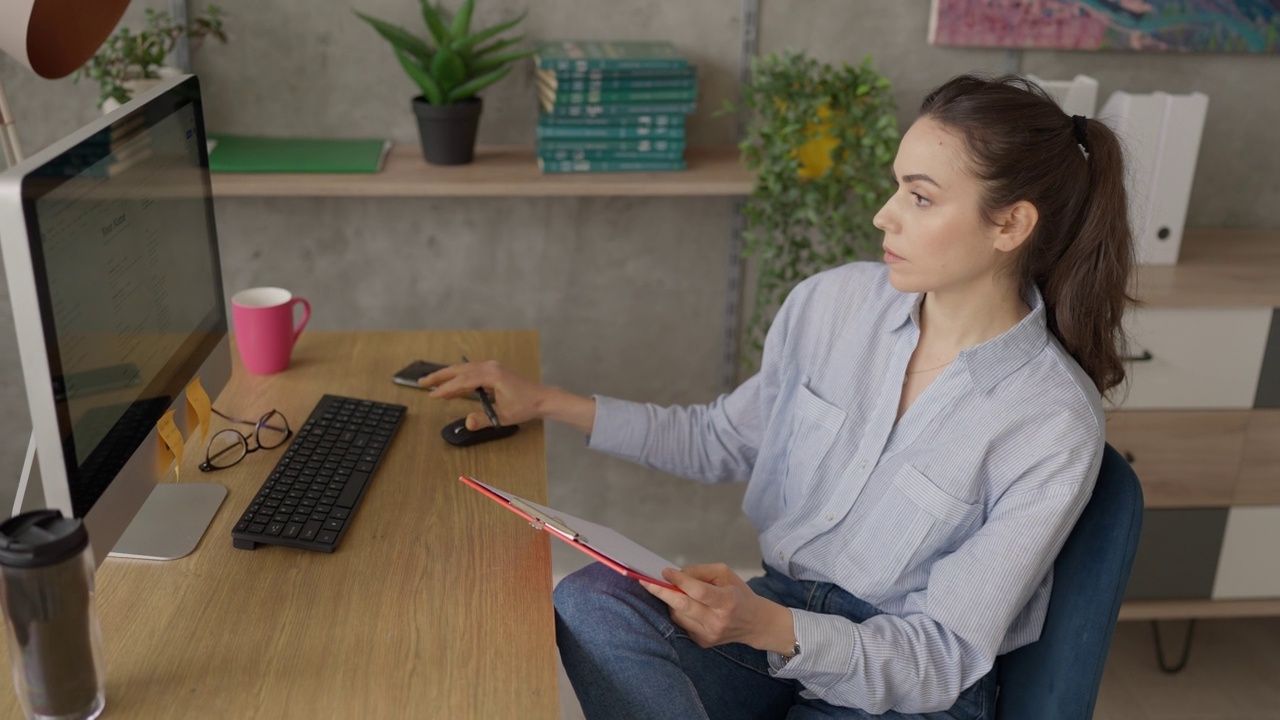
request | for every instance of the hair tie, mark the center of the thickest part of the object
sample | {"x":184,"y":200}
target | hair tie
{"x":1081,"y":130}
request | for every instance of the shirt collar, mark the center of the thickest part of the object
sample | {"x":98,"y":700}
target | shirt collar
{"x":990,"y":362}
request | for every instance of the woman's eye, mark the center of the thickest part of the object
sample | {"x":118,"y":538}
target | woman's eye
{"x":920,"y":200}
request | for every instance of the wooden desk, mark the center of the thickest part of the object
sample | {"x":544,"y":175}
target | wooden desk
{"x":437,"y":603}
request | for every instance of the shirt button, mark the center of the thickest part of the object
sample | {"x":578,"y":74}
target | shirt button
{"x":830,"y":517}
{"x":863,"y":464}
{"x":780,"y":556}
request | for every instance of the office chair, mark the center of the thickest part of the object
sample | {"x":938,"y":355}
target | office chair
{"x":1057,"y":677}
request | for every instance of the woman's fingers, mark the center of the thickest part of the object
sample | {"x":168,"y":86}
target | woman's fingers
{"x":457,"y":380}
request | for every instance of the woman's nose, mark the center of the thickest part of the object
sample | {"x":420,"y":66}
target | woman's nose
{"x":882,"y":219}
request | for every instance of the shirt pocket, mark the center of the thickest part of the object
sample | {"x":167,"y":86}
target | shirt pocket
{"x":914,"y":523}
{"x":815,"y":425}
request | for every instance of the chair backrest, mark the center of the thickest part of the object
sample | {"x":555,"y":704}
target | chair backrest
{"x":1057,"y":677}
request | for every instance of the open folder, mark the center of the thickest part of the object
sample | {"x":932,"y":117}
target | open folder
{"x":607,"y":546}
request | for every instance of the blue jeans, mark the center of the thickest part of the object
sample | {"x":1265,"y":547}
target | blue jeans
{"x":626,"y":659}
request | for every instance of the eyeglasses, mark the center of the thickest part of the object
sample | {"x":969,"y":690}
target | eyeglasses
{"x":230,"y":446}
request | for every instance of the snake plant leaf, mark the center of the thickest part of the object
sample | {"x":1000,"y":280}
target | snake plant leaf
{"x":449,"y":70}
{"x":474,"y":86}
{"x":435,"y":25}
{"x":399,"y":38}
{"x":472,"y":41}
{"x":499,"y":60}
{"x":462,"y":21}
{"x":500,"y":45}
{"x":430,"y":90}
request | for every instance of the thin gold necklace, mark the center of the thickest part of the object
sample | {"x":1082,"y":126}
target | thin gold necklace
{"x":935,"y":367}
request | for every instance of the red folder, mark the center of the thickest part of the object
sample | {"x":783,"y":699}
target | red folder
{"x":609,"y":547}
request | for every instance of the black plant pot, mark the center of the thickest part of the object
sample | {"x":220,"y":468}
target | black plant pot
{"x":448,"y":132}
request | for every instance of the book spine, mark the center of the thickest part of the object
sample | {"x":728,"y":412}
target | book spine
{"x":569,"y":166}
{"x":567,"y":65}
{"x":568,"y":97}
{"x":594,"y":155}
{"x":545,"y":120}
{"x":616,"y":132}
{"x":635,"y":146}
{"x":590,"y":83}
{"x":592,"y":111}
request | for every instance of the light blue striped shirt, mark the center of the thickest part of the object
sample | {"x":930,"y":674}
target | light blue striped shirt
{"x":948,"y":520}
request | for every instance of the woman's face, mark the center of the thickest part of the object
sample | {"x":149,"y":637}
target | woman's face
{"x":934,"y":236}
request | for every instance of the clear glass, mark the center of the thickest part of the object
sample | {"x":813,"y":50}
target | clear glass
{"x":55,"y":642}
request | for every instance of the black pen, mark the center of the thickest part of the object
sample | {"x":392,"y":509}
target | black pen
{"x":484,"y":400}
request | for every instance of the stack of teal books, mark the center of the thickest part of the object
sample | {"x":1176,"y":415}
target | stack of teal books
{"x":613,"y":106}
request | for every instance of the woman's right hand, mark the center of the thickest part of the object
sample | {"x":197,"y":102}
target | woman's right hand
{"x":515,"y":399}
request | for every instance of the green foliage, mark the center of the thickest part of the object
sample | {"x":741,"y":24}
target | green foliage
{"x":128,"y":56}
{"x":821,"y":141}
{"x":453,"y":63}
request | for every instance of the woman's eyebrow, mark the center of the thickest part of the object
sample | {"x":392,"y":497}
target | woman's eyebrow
{"x":921,"y":177}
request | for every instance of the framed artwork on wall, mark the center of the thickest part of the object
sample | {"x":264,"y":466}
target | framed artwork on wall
{"x":1242,"y":26}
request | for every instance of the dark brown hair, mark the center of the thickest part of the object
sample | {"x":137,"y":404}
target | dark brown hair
{"x":1022,"y":146}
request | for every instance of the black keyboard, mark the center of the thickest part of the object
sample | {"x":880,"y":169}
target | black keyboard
{"x":311,"y":496}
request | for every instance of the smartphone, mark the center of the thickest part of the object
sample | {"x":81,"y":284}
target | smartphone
{"x":409,"y":374}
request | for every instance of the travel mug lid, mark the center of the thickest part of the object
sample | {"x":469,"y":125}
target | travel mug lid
{"x":39,"y":538}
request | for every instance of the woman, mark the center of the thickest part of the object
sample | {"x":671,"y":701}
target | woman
{"x":919,"y":441}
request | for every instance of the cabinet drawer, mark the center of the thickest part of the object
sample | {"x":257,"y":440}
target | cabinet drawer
{"x":1249,"y":566}
{"x":1183,"y":459}
{"x":1259,"y":482}
{"x":1195,"y":357}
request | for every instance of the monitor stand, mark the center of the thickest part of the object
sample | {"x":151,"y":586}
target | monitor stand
{"x":168,"y":526}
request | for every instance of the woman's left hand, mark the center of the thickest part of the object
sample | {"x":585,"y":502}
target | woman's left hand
{"x":715,"y":607}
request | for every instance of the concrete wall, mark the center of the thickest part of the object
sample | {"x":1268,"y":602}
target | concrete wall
{"x":627,"y":293}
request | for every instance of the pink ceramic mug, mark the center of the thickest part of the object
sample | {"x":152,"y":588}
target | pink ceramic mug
{"x":265,"y":334}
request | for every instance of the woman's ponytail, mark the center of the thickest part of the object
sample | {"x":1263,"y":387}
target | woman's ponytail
{"x":1087,"y":289}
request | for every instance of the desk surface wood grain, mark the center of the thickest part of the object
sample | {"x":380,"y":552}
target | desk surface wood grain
{"x":436,"y":604}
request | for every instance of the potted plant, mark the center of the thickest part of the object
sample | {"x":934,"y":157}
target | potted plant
{"x":450,"y":68}
{"x":129,"y":63}
{"x":821,"y":141}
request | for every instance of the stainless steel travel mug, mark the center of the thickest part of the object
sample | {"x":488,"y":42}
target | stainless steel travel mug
{"x":55,"y":644}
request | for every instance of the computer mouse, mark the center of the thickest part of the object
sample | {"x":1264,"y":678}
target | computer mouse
{"x":456,"y":433}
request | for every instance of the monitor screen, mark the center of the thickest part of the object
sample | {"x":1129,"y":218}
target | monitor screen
{"x":128,"y":280}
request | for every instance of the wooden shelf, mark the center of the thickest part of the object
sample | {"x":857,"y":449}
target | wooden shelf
{"x":1217,"y":268}
{"x":497,"y":172}
{"x":1189,"y":609}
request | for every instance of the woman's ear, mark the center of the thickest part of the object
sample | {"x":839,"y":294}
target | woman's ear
{"x":1014,"y":225}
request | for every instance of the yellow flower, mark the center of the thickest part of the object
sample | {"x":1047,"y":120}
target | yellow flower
{"x":815,"y":154}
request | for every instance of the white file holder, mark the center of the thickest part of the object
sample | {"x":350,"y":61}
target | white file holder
{"x":1161,"y":136}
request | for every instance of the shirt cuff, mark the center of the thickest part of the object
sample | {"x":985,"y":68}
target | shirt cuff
{"x":826,"y":649}
{"x":620,"y":428}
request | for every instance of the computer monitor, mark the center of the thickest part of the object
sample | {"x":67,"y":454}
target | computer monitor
{"x":111,"y":255}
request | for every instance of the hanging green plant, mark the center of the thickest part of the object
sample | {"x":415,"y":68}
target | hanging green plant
{"x":821,"y":141}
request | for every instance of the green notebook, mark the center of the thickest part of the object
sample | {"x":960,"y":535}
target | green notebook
{"x":240,"y":154}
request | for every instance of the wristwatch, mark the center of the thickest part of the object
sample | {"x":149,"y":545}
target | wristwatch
{"x":795,"y":651}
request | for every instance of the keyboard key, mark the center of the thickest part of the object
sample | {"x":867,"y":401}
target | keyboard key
{"x":327,"y":537}
{"x":352,"y":491}
{"x":309,"y":530}
{"x":292,"y":529}
{"x":275,"y":528}
{"x":332,"y":524}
